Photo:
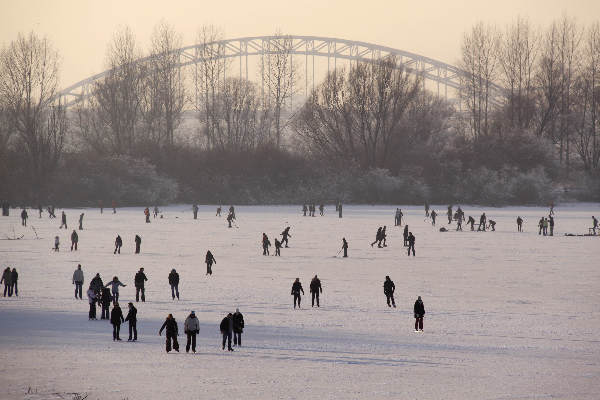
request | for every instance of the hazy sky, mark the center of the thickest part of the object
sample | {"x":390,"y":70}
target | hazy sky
{"x":80,"y":29}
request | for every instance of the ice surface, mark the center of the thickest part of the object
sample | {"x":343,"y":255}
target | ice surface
{"x":509,"y":315}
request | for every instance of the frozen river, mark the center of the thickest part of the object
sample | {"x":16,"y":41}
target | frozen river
{"x":509,"y":315}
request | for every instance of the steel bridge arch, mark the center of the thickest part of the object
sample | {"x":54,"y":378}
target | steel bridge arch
{"x":443,"y":74}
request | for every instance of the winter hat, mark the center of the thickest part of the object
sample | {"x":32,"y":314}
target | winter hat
{"x":419,"y":298}
{"x":193,"y":312}
{"x":237,"y":310}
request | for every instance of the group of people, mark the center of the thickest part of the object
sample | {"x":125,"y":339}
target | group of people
{"x":10,"y":278}
{"x":315,"y":289}
{"x":419,"y":308}
{"x":312,"y":208}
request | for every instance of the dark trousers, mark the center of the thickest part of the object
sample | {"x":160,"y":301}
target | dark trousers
{"x":115,"y":296}
{"x":195,"y":215}
{"x":345,"y":252}
{"x":315,"y":295}
{"x":133,"y":329}
{"x":191,"y":339}
{"x":411,"y":246}
{"x":480,"y":225}
{"x":209,"y":268}
{"x":15,"y":289}
{"x":265,"y":250}
{"x":116,"y":330}
{"x":418,"y":323}
{"x":137,"y":249}
{"x":105,"y":313}
{"x":73,"y":245}
{"x":519,"y":227}
{"x":7,"y":289}
{"x":227,"y":337}
{"x":175,"y":291}
{"x":78,"y":289}
{"x":284,"y":240}
{"x":459,"y":225}
{"x":297,"y":298}
{"x":390,"y":297}
{"x":237,"y":338}
{"x":117,"y":249}
{"x":175,"y":343}
{"x":277,"y":251}
{"x":137,"y":293}
{"x":92,"y":313}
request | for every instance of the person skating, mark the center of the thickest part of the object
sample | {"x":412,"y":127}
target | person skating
{"x":398,"y":217}
{"x":551,"y":224}
{"x":546,"y":224}
{"x":411,"y":243}
{"x":383,"y":238}
{"x":139,"y":279}
{"x":388,"y":290}
{"x":118,"y":244}
{"x":63,"y":221}
{"x":226,"y":328}
{"x":277,"y":247}
{"x":419,"y":310}
{"x":81,"y":221}
{"x":191,"y":327}
{"x":24,"y":217}
{"x":174,"y":282}
{"x":78,"y":281}
{"x":377,"y":237}
{"x":56,"y":243}
{"x":238,"y":327}
{"x":482,"y":221}
{"x":91,"y":295}
{"x":449,"y":214}
{"x":232,"y":211}
{"x":195,"y":211}
{"x":147,"y":214}
{"x":209,"y":260}
{"x":265,"y":244}
{"x":132,"y":319}
{"x":285,"y":235}
{"x":340,"y":209}
{"x":50,"y":210}
{"x":296,"y":289}
{"x":14,"y":280}
{"x":172,"y":331}
{"x":105,"y":300}
{"x":96,"y":284}
{"x":315,"y":289}
{"x":519,"y":224}
{"x":155,"y":211}
{"x":433,"y":215}
{"x":460,"y":217}
{"x":491,"y":224}
{"x":138,"y":244}
{"x":74,"y":240}
{"x":218,"y":214}
{"x":594,"y":224}
{"x":6,"y":278}
{"x":229,"y":219}
{"x":114,"y":287}
{"x":426,"y":210}
{"x":40,"y":210}
{"x":116,"y":319}
{"x":345,"y":247}
{"x":304,"y":209}
{"x":321,"y":209}
{"x":405,"y":235}
{"x":471,"y":222}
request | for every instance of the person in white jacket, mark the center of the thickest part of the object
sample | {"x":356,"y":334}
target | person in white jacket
{"x":114,"y":288}
{"x":92,"y":300}
{"x":78,"y":280}
{"x":191,"y":328}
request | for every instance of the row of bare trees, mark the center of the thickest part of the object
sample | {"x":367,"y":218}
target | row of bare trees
{"x":550,"y":81}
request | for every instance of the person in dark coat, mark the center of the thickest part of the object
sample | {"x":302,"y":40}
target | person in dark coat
{"x":433,"y":215}
{"x":118,"y":244}
{"x":265,"y":244}
{"x":172,"y":332}
{"x":519,"y":224}
{"x":139,"y":279}
{"x":304,"y":210}
{"x":24,"y":217}
{"x":286,"y":235}
{"x":81,"y":221}
{"x":6,"y":278}
{"x":405,"y":235}
{"x":14,"y":278}
{"x":419,"y":313}
{"x":132,"y":318}
{"x":105,"y":299}
{"x":96,"y":284}
{"x":277,"y":247}
{"x":551,"y":223}
{"x":340,"y":210}
{"x":345,"y":247}
{"x":482,"y":222}
{"x":191,"y":327}
{"x":174,"y":282}
{"x":296,"y":289}
{"x":471,"y":221}
{"x":116,"y":318}
{"x":377,"y":237}
{"x":238,"y":327}
{"x":209,"y":260}
{"x":91,"y":295}
{"x":315,"y":289}
{"x":74,"y":240}
{"x":195,"y":211}
{"x":226,"y":329}
{"x":388,"y":290}
{"x":63,"y":220}
{"x":383,"y":238}
{"x":138,"y":244}
{"x":411,"y":243}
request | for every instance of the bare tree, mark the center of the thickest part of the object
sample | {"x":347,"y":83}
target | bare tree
{"x":518,"y":52}
{"x":164,"y":82}
{"x":281,"y":78}
{"x":357,"y":117}
{"x":480,"y":61}
{"x":28,"y":83}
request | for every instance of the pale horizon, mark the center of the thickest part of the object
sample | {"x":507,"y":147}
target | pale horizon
{"x":81,"y":31}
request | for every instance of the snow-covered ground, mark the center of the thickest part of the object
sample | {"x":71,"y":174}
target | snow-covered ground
{"x":509,"y":315}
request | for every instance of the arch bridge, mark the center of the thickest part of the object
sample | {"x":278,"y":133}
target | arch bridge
{"x":441,"y":74}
